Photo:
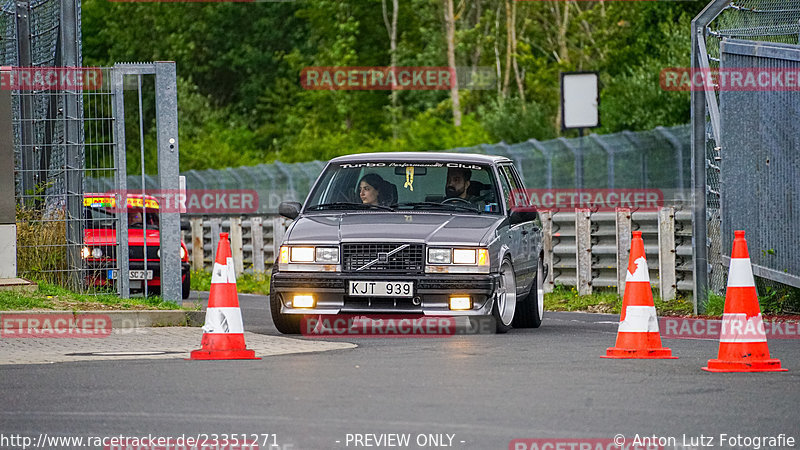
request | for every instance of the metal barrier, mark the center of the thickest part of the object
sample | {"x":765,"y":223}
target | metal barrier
{"x":254,"y":240}
{"x":597,"y":255}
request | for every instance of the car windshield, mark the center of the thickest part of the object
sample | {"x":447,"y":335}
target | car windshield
{"x":406,"y":186}
{"x":100,"y":217}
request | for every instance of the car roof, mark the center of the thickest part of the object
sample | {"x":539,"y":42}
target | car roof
{"x":422,"y":157}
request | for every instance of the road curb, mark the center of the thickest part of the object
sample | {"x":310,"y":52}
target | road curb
{"x":131,"y":318}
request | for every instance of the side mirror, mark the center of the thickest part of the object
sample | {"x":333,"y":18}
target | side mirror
{"x":522,"y":215}
{"x":290,"y":210}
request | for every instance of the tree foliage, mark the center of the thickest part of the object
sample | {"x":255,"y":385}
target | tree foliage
{"x":241,"y":101}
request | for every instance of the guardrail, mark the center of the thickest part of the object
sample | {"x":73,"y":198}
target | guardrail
{"x":582,"y":248}
{"x":255,"y":240}
{"x":589,"y":250}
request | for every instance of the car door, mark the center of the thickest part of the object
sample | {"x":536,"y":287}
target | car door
{"x":527,"y":263}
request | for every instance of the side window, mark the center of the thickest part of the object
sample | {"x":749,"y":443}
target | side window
{"x":517,"y":196}
{"x":506,"y":188}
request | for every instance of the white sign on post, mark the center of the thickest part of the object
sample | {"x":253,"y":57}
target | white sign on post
{"x":580,"y":96}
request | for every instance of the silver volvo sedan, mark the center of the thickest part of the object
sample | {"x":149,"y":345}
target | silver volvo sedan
{"x":428,"y":234}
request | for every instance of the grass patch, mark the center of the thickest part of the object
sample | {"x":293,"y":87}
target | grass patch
{"x":246,"y":283}
{"x":565,"y":298}
{"x":52,"y":297}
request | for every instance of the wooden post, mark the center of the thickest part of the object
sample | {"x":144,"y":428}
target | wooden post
{"x":216,"y":227}
{"x":236,"y":245}
{"x":583,"y":251}
{"x":547,"y":248}
{"x":257,"y":238}
{"x":197,"y":243}
{"x":277,"y":236}
{"x":623,"y":246}
{"x":667,"y":281}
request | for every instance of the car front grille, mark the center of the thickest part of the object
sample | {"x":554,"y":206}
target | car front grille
{"x":409,"y":259}
{"x":137,"y":252}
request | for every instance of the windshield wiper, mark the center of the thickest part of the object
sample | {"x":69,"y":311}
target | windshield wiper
{"x":347,"y":205}
{"x":442,"y":205}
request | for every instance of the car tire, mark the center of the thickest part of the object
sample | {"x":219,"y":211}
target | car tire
{"x":285,"y":323}
{"x":529,"y":312}
{"x":186,"y":286}
{"x":505,"y":301}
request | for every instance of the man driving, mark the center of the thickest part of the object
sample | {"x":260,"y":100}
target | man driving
{"x":457,"y":183}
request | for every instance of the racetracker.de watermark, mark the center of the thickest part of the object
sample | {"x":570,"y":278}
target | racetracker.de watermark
{"x":191,"y":201}
{"x":730,"y":79}
{"x":394,"y":325}
{"x":593,"y":199}
{"x":55,"y":325}
{"x":730,"y":328}
{"x":396,"y":78}
{"x":51,"y":78}
{"x":617,"y":443}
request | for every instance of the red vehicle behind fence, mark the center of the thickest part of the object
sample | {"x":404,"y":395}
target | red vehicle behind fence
{"x":100,"y":239}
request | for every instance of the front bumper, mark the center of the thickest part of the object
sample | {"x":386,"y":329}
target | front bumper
{"x":431,"y":293}
{"x":96,"y":273}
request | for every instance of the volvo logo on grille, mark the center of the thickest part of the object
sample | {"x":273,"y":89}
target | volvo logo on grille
{"x":384,"y":257}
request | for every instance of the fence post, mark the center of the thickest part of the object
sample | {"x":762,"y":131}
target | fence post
{"x":236,"y":245}
{"x":547,"y":248}
{"x":216,"y":227}
{"x":623,"y":246}
{"x":583,"y":251}
{"x":667,"y":282}
{"x":277,"y":236}
{"x":257,"y":237}
{"x":197,"y":243}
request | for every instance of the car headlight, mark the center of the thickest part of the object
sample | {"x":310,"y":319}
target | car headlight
{"x":183,"y":253}
{"x":327,"y":255}
{"x":301,"y":254}
{"x":86,"y":252}
{"x":439,"y":256}
{"x":309,"y":258}
{"x":457,"y":260}
{"x":97,"y":252}
{"x":464,"y":256}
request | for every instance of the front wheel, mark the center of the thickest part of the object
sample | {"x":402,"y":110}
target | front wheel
{"x":505,"y":301}
{"x":530,"y":311}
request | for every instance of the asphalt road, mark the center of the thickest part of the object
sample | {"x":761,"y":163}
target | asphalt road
{"x":482,"y":391}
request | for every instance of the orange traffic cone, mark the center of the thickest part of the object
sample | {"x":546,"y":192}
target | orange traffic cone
{"x":638,"y":335}
{"x":223,"y":332}
{"x":743,"y":340}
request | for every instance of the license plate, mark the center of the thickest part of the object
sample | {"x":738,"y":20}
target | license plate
{"x":380,"y":289}
{"x":132,"y":275}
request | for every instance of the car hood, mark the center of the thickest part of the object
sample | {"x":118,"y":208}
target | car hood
{"x":437,"y":229}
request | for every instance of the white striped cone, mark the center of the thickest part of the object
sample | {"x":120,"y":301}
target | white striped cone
{"x":223,"y":332}
{"x":638,"y":335}
{"x":743,"y":340}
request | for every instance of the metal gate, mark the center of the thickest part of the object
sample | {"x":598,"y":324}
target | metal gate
{"x":760,"y":189}
{"x":734,"y":134}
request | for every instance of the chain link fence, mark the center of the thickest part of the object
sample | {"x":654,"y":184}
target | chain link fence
{"x":656,"y":159}
{"x":48,"y":134}
{"x":768,"y":118}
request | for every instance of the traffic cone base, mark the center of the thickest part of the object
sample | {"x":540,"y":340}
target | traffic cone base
{"x":763,"y":365}
{"x":639,"y":345}
{"x":223,"y":332}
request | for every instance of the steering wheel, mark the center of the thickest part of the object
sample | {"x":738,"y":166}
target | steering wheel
{"x":457,"y":200}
